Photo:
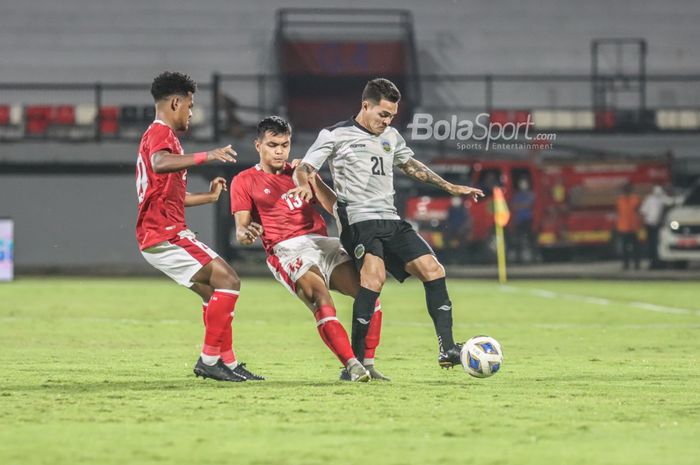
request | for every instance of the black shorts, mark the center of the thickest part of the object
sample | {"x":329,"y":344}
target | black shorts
{"x":394,"y":241}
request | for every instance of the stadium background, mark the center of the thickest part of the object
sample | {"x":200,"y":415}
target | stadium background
{"x":98,"y":370}
{"x":76,"y":210}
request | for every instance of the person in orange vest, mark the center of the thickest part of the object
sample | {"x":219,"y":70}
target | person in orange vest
{"x":628,"y":224}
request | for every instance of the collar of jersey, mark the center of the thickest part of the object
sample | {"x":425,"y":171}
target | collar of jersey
{"x":287,"y":167}
{"x":158,"y":121}
{"x":361,"y":127}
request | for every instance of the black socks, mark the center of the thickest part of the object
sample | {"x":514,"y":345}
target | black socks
{"x":362,"y":311}
{"x":440,"y":310}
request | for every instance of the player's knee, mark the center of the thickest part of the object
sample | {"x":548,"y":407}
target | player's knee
{"x":232,"y":282}
{"x":317,"y":296}
{"x":227,"y":278}
{"x":432,"y":270}
{"x":322,"y":298}
{"x":374,"y":281}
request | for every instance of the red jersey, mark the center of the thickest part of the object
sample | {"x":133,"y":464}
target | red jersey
{"x":262,"y":194}
{"x":161,"y":196}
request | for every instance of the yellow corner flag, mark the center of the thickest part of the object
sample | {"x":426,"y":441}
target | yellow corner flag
{"x":501,"y":216}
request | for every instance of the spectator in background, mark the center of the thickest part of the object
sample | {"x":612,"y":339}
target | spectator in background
{"x":488,"y":182}
{"x":652,"y":211}
{"x":523,"y":205}
{"x":457,"y":229}
{"x":628,"y":224}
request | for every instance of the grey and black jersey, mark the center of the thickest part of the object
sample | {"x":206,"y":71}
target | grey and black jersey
{"x":361,"y":165}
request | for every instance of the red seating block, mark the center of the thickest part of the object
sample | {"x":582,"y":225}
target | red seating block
{"x":605,"y":119}
{"x":499,"y":116}
{"x":38,"y":118}
{"x":63,"y":115}
{"x":109,"y":120}
{"x":509,"y":116}
{"x":4,"y":115}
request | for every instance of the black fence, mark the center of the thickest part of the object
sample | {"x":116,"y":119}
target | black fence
{"x":231,"y":105}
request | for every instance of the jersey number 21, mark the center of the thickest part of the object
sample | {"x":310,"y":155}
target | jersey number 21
{"x":378,"y":166}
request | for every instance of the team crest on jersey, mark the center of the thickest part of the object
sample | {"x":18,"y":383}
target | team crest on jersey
{"x":359,"y":251}
{"x":267,"y":191}
{"x":386,"y":145}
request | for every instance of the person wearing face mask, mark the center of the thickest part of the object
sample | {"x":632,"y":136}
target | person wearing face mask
{"x":457,"y":229}
{"x":652,"y":211}
{"x":523,"y":204}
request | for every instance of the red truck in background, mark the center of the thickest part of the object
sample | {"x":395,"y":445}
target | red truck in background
{"x":574,"y":199}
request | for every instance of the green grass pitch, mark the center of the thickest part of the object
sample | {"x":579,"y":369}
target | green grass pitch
{"x":98,"y":371}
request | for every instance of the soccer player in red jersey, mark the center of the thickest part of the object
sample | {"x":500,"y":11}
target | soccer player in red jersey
{"x":164,"y":239}
{"x":301,"y":256}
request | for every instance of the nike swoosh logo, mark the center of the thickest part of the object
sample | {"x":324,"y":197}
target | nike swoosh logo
{"x":445,"y":308}
{"x":363,"y":321}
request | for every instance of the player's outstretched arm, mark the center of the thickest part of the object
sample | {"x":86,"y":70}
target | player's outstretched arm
{"x":166,"y":162}
{"x":422,"y":173}
{"x":216,"y":186}
{"x":246,"y":229}
{"x":324,"y":194}
{"x":302,"y":176}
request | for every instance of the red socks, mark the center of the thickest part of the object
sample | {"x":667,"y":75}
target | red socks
{"x":373,"y":334}
{"x":218,"y":339}
{"x":217,"y":321}
{"x":227,"y":354}
{"x":333,"y":333}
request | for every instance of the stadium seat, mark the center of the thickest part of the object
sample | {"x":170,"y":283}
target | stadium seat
{"x":584,"y":119}
{"x":38,"y":119}
{"x":521,"y":116}
{"x":499,"y":116}
{"x":11,"y":124}
{"x":63,"y":115}
{"x":543,"y":119}
{"x":565,"y":119}
{"x":666,"y":119}
{"x":148,"y":114}
{"x":198,"y":117}
{"x":509,"y":116}
{"x":85,"y":114}
{"x":4,"y":115}
{"x":129,"y":115}
{"x":16,"y":114}
{"x":109,"y":121}
{"x":688,"y":119}
{"x":604,"y":120}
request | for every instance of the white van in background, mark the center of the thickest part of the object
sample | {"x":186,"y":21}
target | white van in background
{"x":679,"y":236}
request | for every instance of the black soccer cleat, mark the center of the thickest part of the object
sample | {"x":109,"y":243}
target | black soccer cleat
{"x":451,"y":357}
{"x":242,"y":371}
{"x":219,"y":371}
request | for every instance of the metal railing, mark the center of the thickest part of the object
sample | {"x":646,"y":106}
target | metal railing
{"x":235,"y":102}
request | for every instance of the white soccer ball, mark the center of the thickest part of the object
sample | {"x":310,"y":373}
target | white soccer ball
{"x":481,"y":356}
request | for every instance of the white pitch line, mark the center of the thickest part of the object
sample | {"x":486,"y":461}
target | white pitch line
{"x":662,"y":308}
{"x":547,"y":294}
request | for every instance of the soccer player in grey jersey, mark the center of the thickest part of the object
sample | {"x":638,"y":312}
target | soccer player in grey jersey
{"x":361,"y":154}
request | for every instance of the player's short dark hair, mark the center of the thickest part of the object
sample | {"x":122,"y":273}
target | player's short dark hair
{"x":172,"y":83}
{"x":274,"y":124}
{"x":380,"y":88}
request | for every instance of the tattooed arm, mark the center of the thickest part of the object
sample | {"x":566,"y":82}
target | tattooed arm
{"x":422,"y":173}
